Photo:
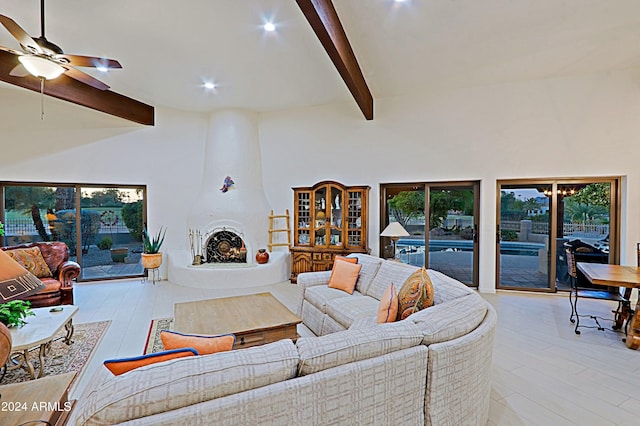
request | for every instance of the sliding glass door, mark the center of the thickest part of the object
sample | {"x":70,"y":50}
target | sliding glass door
{"x":441,"y":219}
{"x":523,"y":239}
{"x":105,"y":238}
{"x":540,"y":218}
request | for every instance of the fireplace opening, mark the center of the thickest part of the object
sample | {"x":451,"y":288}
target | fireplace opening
{"x":226,"y":247}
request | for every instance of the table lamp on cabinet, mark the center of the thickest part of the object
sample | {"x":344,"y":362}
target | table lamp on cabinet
{"x":394,"y":231}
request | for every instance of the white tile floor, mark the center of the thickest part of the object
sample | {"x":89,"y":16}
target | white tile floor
{"x":543,"y":373}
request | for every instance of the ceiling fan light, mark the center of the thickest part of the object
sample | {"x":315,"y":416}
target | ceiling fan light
{"x":41,"y":67}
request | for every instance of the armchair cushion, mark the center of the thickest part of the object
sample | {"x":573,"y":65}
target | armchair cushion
{"x":64,"y":271}
{"x":31,"y":259}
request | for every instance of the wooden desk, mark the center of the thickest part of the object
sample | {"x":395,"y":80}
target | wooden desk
{"x":620,"y":276}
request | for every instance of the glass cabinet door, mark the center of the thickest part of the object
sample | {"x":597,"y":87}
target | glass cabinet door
{"x":354,"y":218}
{"x":335,"y":225}
{"x":303,"y":218}
{"x":320,"y":225}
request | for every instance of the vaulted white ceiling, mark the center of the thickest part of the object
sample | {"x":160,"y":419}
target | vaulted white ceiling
{"x":168,"y":48}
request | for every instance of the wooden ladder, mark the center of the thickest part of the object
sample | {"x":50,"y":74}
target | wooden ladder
{"x":272,"y":231}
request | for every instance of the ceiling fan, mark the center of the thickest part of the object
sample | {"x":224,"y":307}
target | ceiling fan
{"x":43,"y":59}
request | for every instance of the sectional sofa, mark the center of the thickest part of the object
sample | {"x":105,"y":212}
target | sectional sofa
{"x":432,"y":368}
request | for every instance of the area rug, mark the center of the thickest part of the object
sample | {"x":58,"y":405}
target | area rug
{"x":154,"y":343}
{"x":64,"y":358}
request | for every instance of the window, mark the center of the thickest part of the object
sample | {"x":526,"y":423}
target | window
{"x":105,"y":239}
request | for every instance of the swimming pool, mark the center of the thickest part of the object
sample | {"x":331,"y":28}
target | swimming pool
{"x":506,"y":247}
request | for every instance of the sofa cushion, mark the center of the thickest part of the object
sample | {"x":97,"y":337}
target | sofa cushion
{"x":313,"y":317}
{"x":332,"y":350}
{"x":446,"y":288}
{"x":319,"y":296}
{"x":370,"y":266}
{"x":31,"y":259}
{"x":388,"y":306}
{"x":204,"y":345}
{"x":346,"y":309}
{"x":183,"y":382}
{"x":344,"y":276}
{"x":123,"y":365}
{"x":389,"y":272}
{"x":416,"y":294}
{"x":451,"y":319}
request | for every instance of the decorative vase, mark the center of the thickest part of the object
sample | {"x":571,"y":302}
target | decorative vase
{"x":151,"y":260}
{"x":262,"y":256}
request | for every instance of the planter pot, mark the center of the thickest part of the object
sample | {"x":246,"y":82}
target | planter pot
{"x":262,"y":256}
{"x":118,"y":254}
{"x":151,"y":260}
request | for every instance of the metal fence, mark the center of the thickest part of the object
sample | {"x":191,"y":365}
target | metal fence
{"x":567,"y":228}
{"x":25,"y":226}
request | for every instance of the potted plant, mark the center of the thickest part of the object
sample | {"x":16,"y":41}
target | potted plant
{"x":151,"y":256}
{"x":13,"y":313}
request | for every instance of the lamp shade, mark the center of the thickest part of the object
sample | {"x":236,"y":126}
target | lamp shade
{"x":41,"y":67}
{"x":15,"y":281}
{"x":394,"y":230}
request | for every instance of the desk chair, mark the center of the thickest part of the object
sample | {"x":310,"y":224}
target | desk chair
{"x":577,"y":291}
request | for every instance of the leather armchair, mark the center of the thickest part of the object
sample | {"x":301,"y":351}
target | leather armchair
{"x":59,"y":288}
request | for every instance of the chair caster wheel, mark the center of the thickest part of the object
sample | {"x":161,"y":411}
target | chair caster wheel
{"x":572,"y":321}
{"x":577,"y":331}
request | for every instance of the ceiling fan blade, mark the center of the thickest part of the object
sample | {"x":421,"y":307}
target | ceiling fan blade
{"x":10,"y":50}
{"x":85,"y":78}
{"x":21,"y":35}
{"x":19,"y":71}
{"x":87,"y":61}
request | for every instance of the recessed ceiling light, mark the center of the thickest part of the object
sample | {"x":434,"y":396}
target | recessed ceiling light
{"x":102,"y":68}
{"x":269,"y":26}
{"x":209,"y":85}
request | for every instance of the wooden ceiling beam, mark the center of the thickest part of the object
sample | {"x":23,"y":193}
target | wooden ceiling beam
{"x":71,"y":90}
{"x":324,"y":21}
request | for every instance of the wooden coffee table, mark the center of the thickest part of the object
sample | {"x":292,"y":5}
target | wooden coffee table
{"x":37,"y":402}
{"x":255,"y":319}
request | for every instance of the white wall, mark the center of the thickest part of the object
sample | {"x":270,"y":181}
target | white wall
{"x":565,"y":127}
{"x":74,"y":144}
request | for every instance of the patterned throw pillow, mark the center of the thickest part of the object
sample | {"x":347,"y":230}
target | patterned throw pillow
{"x":416,"y":294}
{"x":31,"y":259}
{"x":122,"y":365}
{"x":388,"y":307}
{"x":203,"y":344}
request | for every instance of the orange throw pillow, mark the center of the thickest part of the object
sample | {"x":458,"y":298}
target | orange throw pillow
{"x":342,"y":259}
{"x":121,"y":366}
{"x":203,"y":344}
{"x":388,"y":307}
{"x":416,"y":294}
{"x":344,"y":276}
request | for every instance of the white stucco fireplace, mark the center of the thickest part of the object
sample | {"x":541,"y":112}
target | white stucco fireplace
{"x":231,"y":213}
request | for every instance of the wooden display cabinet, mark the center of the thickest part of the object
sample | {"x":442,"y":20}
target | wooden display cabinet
{"x":329,"y":219}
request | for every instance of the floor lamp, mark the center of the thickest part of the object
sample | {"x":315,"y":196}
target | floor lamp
{"x":394,"y":231}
